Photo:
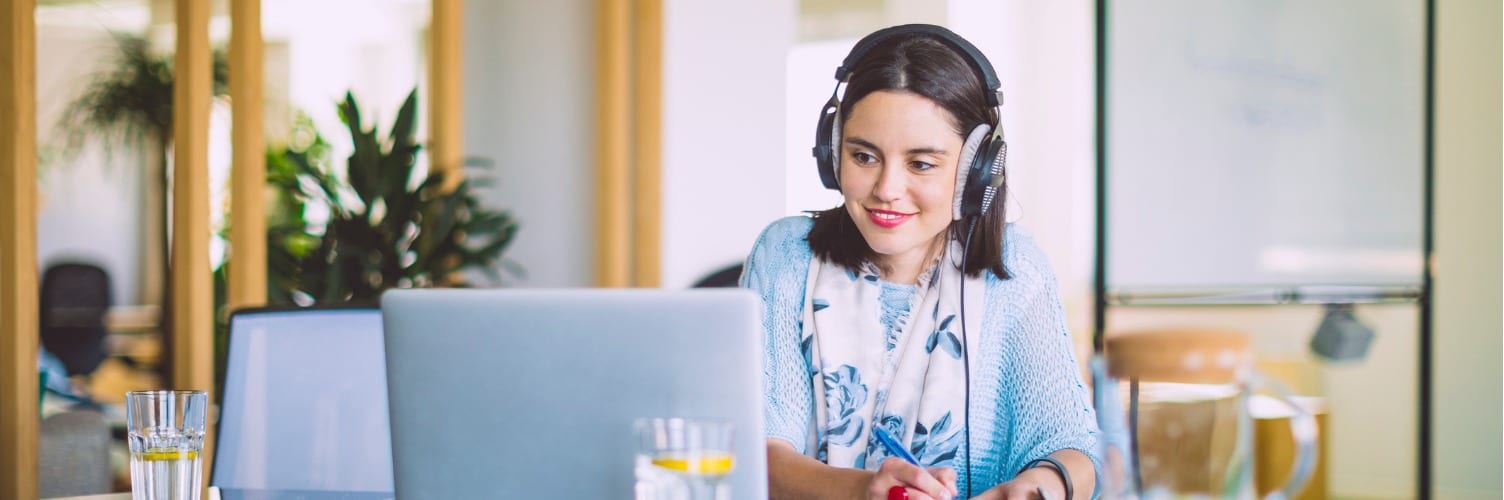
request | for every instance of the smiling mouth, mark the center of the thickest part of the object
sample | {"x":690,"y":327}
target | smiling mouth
{"x":887,"y":218}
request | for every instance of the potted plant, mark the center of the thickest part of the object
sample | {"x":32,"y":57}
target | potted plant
{"x":389,"y":226}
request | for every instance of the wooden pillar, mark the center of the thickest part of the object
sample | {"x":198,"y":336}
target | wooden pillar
{"x":446,"y":136}
{"x":192,"y":283}
{"x":647,"y":143}
{"x":19,"y":392}
{"x":612,"y":143}
{"x":192,"y":290}
{"x":247,"y":263}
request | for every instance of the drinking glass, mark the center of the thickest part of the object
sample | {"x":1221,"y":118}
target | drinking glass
{"x":1189,"y":432}
{"x":683,"y":459}
{"x":1118,"y":478}
{"x":166,"y":438}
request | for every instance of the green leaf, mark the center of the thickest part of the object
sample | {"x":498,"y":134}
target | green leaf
{"x":349,"y":112}
{"x":363,"y":166}
{"x":424,"y":234}
{"x":402,"y":129}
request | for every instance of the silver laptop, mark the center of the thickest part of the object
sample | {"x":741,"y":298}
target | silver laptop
{"x":532,"y":393}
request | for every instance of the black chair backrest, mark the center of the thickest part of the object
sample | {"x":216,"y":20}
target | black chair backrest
{"x":75,"y":298}
{"x":725,"y":278}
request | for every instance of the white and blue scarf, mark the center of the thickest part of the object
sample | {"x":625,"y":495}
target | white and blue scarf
{"x":902,"y":370}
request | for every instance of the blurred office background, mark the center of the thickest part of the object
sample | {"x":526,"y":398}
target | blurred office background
{"x":728,"y":131}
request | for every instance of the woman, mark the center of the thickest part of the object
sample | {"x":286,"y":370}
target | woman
{"x":865,"y":319}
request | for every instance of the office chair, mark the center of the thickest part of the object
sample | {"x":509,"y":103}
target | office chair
{"x":74,"y":300}
{"x":725,"y":278}
{"x":73,"y":454}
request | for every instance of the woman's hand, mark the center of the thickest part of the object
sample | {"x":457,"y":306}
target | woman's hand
{"x":934,"y":484}
{"x":1039,"y":483}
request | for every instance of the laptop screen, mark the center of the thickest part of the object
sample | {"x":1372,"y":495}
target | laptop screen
{"x":305,"y":403}
{"x":539,"y":390}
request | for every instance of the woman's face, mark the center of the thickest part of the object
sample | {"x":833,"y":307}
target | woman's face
{"x":898,"y":175}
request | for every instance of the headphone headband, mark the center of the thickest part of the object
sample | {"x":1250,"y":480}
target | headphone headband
{"x":980,"y":170}
{"x":974,"y":57}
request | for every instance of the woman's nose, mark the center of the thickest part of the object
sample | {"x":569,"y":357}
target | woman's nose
{"x":891,"y":183}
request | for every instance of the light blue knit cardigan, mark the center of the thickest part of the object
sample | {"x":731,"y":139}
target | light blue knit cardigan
{"x":1027,"y":398}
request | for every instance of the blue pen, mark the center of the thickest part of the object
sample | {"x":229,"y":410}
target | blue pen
{"x":892,"y":445}
{"x":894,"y":448}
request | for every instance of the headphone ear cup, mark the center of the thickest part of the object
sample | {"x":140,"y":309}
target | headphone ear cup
{"x":990,"y":163}
{"x":987,"y":177}
{"x":966,"y":168}
{"x":827,"y":134}
{"x":835,"y":149}
{"x":998,"y":177}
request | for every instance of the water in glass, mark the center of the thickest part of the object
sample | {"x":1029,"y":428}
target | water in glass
{"x":166,"y":432}
{"x":683,"y":459}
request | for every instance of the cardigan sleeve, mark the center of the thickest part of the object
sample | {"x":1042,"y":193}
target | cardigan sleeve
{"x":776,"y":269}
{"x":1050,"y":402}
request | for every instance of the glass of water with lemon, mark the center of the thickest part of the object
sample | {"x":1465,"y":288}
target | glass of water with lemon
{"x":683,"y":459}
{"x":166,"y":439}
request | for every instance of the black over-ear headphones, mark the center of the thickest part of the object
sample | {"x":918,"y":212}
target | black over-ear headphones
{"x":983,"y":157}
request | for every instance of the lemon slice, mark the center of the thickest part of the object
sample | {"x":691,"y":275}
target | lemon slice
{"x":701,"y":464}
{"x":160,"y":455}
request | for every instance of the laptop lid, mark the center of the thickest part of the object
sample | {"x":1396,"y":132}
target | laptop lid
{"x":532,"y":393}
{"x":305,"y":403}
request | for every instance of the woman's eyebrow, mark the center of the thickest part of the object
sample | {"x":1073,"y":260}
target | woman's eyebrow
{"x":857,"y":141}
{"x":926,"y":151}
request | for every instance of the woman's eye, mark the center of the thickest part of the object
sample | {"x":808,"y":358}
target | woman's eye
{"x":863,"y":158}
{"x":922,"y":166}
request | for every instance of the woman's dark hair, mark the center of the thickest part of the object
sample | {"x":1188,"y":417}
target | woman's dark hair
{"x":929,"y":68}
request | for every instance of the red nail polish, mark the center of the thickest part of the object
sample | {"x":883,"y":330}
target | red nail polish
{"x":898,"y":493}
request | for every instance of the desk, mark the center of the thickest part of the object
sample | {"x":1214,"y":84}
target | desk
{"x":132,"y":319}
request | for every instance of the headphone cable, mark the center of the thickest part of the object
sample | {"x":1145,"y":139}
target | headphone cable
{"x":966,"y":357}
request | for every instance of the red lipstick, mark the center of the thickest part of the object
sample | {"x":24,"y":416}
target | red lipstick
{"x":887,"y":219}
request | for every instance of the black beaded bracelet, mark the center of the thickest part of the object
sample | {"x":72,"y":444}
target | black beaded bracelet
{"x":1059,"y":469}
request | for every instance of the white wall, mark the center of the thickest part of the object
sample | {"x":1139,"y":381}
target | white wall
{"x":528,"y":98}
{"x":90,"y":206}
{"x":1466,"y":322}
{"x":723,"y":125}
{"x":811,"y":78}
{"x":1044,"y":55}
{"x":375,"y":51}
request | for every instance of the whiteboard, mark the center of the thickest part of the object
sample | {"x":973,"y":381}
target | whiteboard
{"x":1264,"y":143}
